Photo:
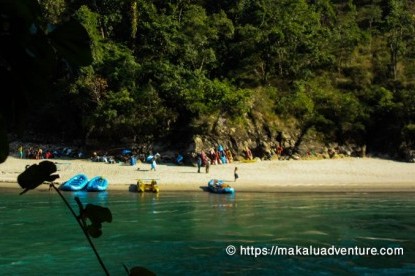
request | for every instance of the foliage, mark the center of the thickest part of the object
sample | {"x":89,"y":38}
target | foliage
{"x":317,"y":104}
{"x":53,"y":10}
{"x":206,"y":96}
{"x":343,"y":68}
{"x":30,"y":53}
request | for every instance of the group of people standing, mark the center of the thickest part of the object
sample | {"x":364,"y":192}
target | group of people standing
{"x":47,"y":152}
{"x":214,"y":157}
{"x":34,"y":153}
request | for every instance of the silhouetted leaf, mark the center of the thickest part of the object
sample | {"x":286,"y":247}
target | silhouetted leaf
{"x":138,"y":270}
{"x":96,"y":215}
{"x":35,"y":175}
{"x":72,"y":42}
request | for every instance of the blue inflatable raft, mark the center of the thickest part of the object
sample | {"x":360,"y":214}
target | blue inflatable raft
{"x":217,"y":186}
{"x":76,"y":183}
{"x":97,"y":184}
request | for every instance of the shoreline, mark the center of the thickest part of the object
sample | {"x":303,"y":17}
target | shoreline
{"x":366,"y":188}
{"x":293,"y":176}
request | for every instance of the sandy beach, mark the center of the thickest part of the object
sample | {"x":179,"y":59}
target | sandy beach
{"x":334,"y":175}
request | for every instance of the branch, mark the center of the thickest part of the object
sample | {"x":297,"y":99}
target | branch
{"x":81,"y":224}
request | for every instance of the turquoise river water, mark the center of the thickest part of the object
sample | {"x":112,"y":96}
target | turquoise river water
{"x":198,"y":233}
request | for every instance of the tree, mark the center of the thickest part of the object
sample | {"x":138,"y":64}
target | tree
{"x":399,"y":28}
{"x":30,"y":53}
{"x":274,"y":44}
{"x":317,"y":104}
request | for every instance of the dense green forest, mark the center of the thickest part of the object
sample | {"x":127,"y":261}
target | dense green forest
{"x":166,"y":69}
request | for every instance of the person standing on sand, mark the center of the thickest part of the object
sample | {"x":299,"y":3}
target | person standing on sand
{"x":207,"y":165}
{"x":248,"y":154}
{"x":199,"y":162}
{"x":39,"y":153}
{"x":235,"y":174}
{"x":153,"y":163}
{"x":20,"y":149}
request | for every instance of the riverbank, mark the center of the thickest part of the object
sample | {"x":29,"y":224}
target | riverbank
{"x":334,"y":175}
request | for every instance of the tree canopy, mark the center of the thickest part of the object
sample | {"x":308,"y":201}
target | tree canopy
{"x":160,"y":68}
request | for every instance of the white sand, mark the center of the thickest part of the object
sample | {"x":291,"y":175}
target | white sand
{"x":336,"y":175}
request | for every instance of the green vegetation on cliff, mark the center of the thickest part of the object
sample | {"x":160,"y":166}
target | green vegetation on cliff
{"x":163,"y":69}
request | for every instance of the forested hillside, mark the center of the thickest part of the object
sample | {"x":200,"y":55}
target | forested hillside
{"x":340,"y":71}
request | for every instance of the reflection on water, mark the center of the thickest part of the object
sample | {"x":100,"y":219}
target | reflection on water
{"x":98,"y":198}
{"x":187,"y":233}
{"x":222,"y":200}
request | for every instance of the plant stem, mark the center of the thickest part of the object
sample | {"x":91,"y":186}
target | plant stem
{"x":83,"y":229}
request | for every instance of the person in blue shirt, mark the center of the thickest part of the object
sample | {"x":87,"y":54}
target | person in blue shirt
{"x":199,"y":162}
